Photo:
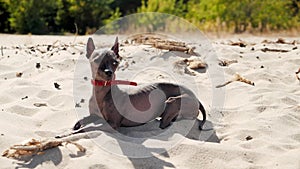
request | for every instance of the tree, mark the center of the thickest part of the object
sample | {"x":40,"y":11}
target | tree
{"x":4,"y":16}
{"x":204,"y":13}
{"x":85,"y":14}
{"x":32,"y":16}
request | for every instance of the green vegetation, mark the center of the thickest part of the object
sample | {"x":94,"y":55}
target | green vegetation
{"x":86,"y":16}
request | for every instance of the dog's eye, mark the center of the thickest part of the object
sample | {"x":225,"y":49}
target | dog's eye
{"x":115,"y":63}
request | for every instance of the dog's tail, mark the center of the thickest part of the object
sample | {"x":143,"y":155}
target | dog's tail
{"x":201,"y":108}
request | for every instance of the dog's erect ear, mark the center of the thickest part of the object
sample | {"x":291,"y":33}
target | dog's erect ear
{"x":90,"y":47}
{"x":115,"y":48}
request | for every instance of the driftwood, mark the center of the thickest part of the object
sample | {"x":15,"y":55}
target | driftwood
{"x":36,"y":147}
{"x":160,"y":42}
{"x":195,"y":64}
{"x":190,"y":65}
{"x":238,"y":78}
{"x":169,"y":47}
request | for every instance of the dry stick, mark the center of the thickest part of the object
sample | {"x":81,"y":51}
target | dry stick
{"x":179,"y":48}
{"x":2,"y":50}
{"x":32,"y":147}
{"x":274,"y":50}
{"x":76,"y":33}
{"x":171,"y":47}
{"x":222,"y":85}
{"x":170,"y":42}
{"x":281,"y":41}
{"x":227,"y":62}
{"x":237,"y":77}
{"x":35,"y":147}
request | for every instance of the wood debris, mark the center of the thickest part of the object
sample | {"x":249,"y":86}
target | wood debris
{"x":50,"y":49}
{"x":195,"y":64}
{"x":2,"y":54}
{"x":39,"y":104}
{"x":274,"y":50}
{"x":35,"y":147}
{"x":249,"y":138}
{"x":190,"y":66}
{"x":280,"y":41}
{"x":240,"y":43}
{"x":57,"y":86}
{"x":160,"y":42}
{"x":227,"y":62}
{"x":19,"y":74}
{"x":26,"y":97}
{"x":38,"y":65}
{"x":238,"y":78}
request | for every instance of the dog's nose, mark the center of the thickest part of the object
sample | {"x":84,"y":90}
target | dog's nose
{"x":108,"y":72}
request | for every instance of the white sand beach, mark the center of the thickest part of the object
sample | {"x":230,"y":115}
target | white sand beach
{"x":248,"y":126}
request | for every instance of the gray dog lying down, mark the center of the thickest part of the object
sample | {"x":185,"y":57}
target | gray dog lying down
{"x":119,"y":108}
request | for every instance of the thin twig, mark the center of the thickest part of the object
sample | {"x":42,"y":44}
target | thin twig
{"x":274,"y":50}
{"x":2,"y":51}
{"x":238,"y":78}
{"x":227,"y":62}
{"x":76,"y":33}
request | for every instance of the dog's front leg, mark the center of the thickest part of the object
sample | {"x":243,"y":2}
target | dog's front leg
{"x":115,"y":122}
{"x":85,"y":121}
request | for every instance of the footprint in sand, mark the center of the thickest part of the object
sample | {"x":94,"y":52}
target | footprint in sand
{"x":22,"y":110}
{"x":289,"y":101}
{"x":44,"y":94}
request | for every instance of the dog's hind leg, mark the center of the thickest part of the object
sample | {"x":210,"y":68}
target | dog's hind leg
{"x":182,"y":106}
{"x":86,"y":120}
{"x":171,"y":112}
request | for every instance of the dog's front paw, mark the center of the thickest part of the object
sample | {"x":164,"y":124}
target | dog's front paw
{"x":164,"y":125}
{"x":77,"y":125}
{"x":85,"y":121}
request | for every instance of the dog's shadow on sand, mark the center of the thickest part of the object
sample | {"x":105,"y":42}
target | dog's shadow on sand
{"x":143,"y":157}
{"x":132,"y":142}
{"x":53,"y":155}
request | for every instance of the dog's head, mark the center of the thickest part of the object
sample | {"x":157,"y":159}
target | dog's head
{"x":104,"y":62}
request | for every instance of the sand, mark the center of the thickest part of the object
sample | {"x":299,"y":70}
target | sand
{"x":248,"y":126}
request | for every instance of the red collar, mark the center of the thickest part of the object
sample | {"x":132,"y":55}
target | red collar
{"x":112,"y":82}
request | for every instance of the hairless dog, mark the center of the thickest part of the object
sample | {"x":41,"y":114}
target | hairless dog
{"x":141,"y":105}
